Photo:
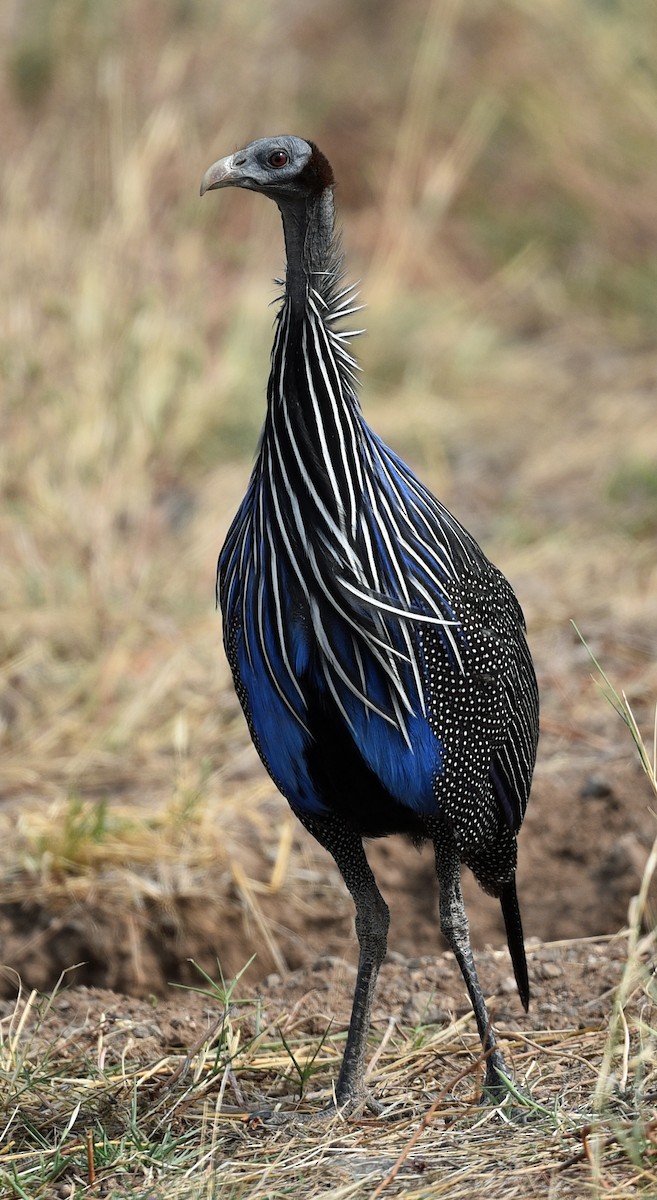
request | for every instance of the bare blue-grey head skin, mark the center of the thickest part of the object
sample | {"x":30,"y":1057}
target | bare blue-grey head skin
{"x":287,"y":169}
{"x":378,"y":655}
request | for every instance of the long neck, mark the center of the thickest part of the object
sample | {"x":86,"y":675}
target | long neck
{"x":309,"y":228}
{"x":312,"y":432}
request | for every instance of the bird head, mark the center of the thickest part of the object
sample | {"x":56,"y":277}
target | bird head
{"x":287,"y":169}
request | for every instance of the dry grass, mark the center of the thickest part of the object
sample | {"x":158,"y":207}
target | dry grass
{"x":497,"y":190}
{"x":84,"y":1111}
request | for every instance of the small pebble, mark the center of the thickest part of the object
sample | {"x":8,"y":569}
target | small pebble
{"x":393,"y":956}
{"x":595,"y":788}
{"x":144,"y":1031}
{"x":548,"y":970}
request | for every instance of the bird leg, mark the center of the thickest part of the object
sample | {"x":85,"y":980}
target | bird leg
{"x":372,"y":922}
{"x":454,"y":926}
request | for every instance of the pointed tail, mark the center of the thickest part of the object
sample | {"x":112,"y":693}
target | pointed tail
{"x":513,"y":923}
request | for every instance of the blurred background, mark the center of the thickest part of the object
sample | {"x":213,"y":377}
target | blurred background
{"x":496,"y":186}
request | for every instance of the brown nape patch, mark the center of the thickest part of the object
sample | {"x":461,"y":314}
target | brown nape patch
{"x":318,"y":172}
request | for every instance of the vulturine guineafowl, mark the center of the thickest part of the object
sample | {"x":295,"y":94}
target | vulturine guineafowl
{"x":378,"y":655}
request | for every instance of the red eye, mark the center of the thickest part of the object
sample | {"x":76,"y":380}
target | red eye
{"x":278,"y":159}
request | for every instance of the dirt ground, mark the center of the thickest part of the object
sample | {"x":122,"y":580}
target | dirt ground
{"x":572,"y":984}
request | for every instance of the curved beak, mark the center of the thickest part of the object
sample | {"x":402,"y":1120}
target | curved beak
{"x":220,"y":174}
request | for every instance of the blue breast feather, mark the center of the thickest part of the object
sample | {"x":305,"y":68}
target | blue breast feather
{"x":407,"y":773}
